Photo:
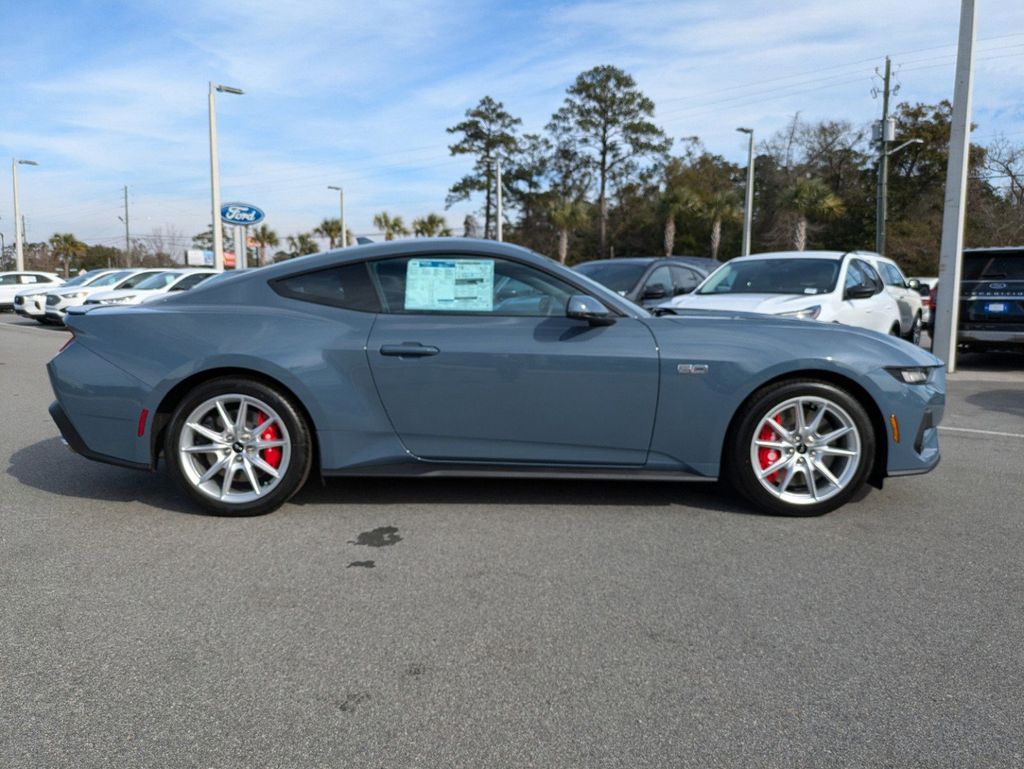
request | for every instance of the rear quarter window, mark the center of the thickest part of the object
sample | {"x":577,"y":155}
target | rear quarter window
{"x":347,"y":287}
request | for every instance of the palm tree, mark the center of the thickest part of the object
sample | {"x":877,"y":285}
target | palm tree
{"x":389,"y":225}
{"x":717,"y":208}
{"x":350,"y":237}
{"x":431,"y":226}
{"x":674,"y":201}
{"x":810,"y":199}
{"x":66,"y":247}
{"x":567,"y":215}
{"x":264,"y":237}
{"x":302,"y":244}
{"x":330,"y":229}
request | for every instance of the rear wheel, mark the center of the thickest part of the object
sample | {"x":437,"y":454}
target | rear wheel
{"x":801,"y":448}
{"x":238,"y":447}
{"x":914,"y":335}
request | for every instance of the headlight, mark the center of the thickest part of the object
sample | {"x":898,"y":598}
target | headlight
{"x":912,"y":375}
{"x":118,"y":299}
{"x":807,"y":313}
{"x":76,"y":295}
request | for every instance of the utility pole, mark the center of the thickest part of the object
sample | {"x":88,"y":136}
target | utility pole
{"x":748,"y":207}
{"x":499,"y":200}
{"x":955,"y":207}
{"x":127,"y":235}
{"x":883,"y":163}
{"x":218,"y":231}
{"x":19,"y":234}
{"x":341,"y":207}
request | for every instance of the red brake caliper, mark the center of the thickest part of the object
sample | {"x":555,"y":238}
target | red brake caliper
{"x":271,"y":456}
{"x":768,"y":456}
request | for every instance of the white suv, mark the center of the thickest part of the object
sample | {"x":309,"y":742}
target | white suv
{"x":12,"y":283}
{"x":908,"y":298}
{"x":829,"y":286}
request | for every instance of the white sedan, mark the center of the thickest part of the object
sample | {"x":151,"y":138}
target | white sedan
{"x":59,"y":300}
{"x":152,"y":287}
{"x":828,"y":286}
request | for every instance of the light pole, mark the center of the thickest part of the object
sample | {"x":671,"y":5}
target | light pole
{"x":500,"y":214}
{"x":218,"y":235}
{"x":748,"y":206}
{"x":341,"y":206}
{"x":19,"y":259}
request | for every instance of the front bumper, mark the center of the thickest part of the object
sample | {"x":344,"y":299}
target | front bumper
{"x":918,"y":410}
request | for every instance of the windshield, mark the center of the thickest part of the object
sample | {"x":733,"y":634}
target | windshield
{"x":619,"y":276}
{"x":1001,"y":266}
{"x":774,"y":276}
{"x":109,"y":280}
{"x":80,"y":279}
{"x":160,"y":280}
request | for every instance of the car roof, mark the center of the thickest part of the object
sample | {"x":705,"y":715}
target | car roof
{"x":996,"y":250}
{"x":798,"y":255}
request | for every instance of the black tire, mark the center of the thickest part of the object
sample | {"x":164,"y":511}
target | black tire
{"x":301,"y":446}
{"x":740,"y":468}
{"x":895,"y":330}
{"x":914,"y":335}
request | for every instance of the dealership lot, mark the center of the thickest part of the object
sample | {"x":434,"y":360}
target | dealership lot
{"x":510,"y":623}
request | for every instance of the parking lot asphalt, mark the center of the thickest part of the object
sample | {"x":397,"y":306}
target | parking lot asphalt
{"x":480,"y":623}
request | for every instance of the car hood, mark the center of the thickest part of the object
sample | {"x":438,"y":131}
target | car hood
{"x":811,"y":336}
{"x":766,"y":304}
{"x":117,"y":293}
{"x":87,"y":290}
{"x":34,"y":291}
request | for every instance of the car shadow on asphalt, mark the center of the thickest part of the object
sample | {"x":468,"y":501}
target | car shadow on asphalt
{"x":1004,"y":401}
{"x":49,"y":466}
{"x":514,"y":492}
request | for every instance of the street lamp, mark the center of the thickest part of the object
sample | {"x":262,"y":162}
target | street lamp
{"x":19,"y":263}
{"x":883,"y":188}
{"x":341,"y":205}
{"x":748,"y":207}
{"x":218,"y":236}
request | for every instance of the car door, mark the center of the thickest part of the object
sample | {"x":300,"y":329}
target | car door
{"x":9,"y":285}
{"x":863,"y":311}
{"x":475,"y":360}
{"x":896,"y":287}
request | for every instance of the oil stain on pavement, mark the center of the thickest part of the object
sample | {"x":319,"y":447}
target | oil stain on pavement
{"x":382,"y":536}
{"x":364,"y":564}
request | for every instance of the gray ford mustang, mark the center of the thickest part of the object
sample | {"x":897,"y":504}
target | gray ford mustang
{"x":468,"y":357}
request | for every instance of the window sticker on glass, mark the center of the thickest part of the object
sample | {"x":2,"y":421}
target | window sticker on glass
{"x":457,"y":285}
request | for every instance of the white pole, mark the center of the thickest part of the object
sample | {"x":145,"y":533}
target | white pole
{"x":748,"y":207}
{"x":951,"y":251}
{"x":241,"y":252}
{"x":218,"y":237}
{"x":19,"y":261}
{"x":499,"y":200}
{"x":341,"y":204}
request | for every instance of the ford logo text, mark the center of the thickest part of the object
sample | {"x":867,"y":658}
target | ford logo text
{"x":240,"y":213}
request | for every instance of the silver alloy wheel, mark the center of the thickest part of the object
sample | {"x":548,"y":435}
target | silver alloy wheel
{"x":915,"y":332}
{"x":223,"y":448}
{"x":806,"y":450}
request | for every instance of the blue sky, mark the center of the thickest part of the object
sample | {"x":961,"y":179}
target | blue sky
{"x":104,"y":94}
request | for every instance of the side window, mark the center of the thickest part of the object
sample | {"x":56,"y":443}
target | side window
{"x":658,"y":285}
{"x":891,"y":275}
{"x":8,"y":280}
{"x":189,"y":281}
{"x":347,"y":286}
{"x":136,"y":279}
{"x":468,"y":284}
{"x":684,"y":280}
{"x":863,"y":274}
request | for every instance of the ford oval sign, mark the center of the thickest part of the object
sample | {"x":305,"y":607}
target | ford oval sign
{"x":240,"y":213}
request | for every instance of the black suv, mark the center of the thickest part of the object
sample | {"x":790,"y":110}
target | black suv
{"x":649,"y":280}
{"x":992,"y":298}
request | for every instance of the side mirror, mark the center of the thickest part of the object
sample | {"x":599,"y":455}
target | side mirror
{"x":859,"y":292}
{"x":583,"y":307}
{"x":655,"y":291}
{"x":914,"y":283}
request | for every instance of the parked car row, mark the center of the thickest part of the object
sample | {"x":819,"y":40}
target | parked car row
{"x":50,"y":303}
{"x":853,"y":288}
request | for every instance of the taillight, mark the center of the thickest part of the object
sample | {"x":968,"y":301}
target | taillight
{"x":64,"y":346}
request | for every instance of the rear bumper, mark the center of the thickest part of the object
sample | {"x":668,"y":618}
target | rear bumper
{"x":990,"y":337}
{"x":79,"y":446}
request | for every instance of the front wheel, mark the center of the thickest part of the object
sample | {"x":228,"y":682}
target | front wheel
{"x":238,"y":447}
{"x":914,"y":335}
{"x":801,"y":448}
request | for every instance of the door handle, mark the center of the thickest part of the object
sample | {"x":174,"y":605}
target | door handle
{"x":409,"y":350}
